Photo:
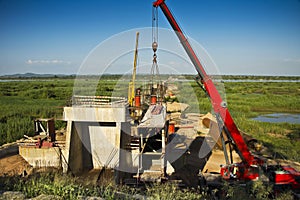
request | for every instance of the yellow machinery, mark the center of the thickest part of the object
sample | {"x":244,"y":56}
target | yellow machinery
{"x":131,"y":88}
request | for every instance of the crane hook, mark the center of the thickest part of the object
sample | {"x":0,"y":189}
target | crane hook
{"x":154,"y":46}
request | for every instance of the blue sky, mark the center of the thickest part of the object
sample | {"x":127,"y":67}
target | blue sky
{"x":256,"y":37}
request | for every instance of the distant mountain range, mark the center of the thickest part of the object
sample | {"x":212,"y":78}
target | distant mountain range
{"x":238,"y":77}
{"x":34,"y":75}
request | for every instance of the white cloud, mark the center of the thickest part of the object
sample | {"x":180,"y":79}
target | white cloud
{"x":292,"y":60}
{"x":47,"y":62}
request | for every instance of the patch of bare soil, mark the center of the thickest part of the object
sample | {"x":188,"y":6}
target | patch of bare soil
{"x":14,"y":165}
{"x":217,"y":158}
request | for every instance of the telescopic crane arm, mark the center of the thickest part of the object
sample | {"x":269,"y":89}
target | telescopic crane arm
{"x":131,"y":88}
{"x":219,"y":106}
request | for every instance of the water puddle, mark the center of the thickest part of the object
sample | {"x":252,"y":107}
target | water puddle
{"x":279,"y":117}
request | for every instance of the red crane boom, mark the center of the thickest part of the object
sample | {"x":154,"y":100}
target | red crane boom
{"x":219,"y":106}
{"x":251,"y":167}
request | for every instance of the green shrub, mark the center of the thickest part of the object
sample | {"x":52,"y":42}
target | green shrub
{"x":169,"y":191}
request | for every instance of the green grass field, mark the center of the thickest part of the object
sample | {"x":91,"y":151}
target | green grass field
{"x":22,"y":101}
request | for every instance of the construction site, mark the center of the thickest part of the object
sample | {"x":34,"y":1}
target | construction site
{"x":148,"y":137}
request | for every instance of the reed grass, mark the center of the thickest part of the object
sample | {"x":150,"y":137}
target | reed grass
{"x":64,"y":186}
{"x":23,"y":101}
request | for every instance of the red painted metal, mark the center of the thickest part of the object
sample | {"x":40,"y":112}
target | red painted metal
{"x":171,"y":128}
{"x":153,"y":99}
{"x":215,"y":97}
{"x":137,"y":101}
{"x":248,"y":169}
{"x":288,"y":176}
{"x":240,"y":172}
{"x":43,"y":143}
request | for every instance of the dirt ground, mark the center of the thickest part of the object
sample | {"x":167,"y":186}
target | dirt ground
{"x":216,"y":159}
{"x":14,"y":165}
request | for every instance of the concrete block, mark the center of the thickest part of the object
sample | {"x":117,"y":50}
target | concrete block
{"x":41,"y":157}
{"x":95,"y":114}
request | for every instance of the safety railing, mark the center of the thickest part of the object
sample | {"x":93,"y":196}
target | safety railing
{"x":98,"y":101}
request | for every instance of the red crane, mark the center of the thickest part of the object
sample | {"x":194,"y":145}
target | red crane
{"x":248,"y":168}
